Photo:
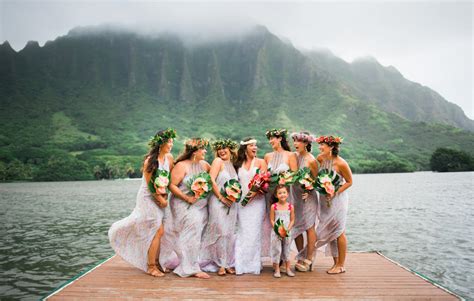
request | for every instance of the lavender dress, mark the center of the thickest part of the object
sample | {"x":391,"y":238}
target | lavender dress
{"x":188,"y":224}
{"x":280,"y":247}
{"x":219,"y":235}
{"x":131,"y":237}
{"x":277,"y":165}
{"x":306,"y":211}
{"x":332,"y":220}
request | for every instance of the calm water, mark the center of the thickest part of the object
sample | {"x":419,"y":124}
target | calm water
{"x":51,"y":231}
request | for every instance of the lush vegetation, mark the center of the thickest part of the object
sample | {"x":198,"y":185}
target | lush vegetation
{"x":447,"y":160}
{"x":83,"y":106}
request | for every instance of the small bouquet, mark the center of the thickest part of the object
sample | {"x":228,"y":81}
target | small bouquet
{"x":159,"y":182}
{"x":199,"y":185}
{"x":327,"y":183}
{"x":232,"y":190}
{"x":259,"y":184}
{"x":305,"y":178}
{"x":280,"y":229}
{"x":286,"y":177}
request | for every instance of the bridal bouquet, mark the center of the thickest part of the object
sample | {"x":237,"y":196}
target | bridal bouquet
{"x":232,"y":190}
{"x":199,"y":185}
{"x":280,"y":229}
{"x":305,"y":178}
{"x":259,"y":184}
{"x":287,"y":177}
{"x":159,"y":182}
{"x":327,"y":183}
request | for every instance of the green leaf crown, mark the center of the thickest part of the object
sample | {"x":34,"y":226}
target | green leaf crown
{"x":162,"y":138}
{"x":224,"y":143}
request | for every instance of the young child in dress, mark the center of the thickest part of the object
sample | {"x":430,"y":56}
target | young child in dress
{"x":283,"y":215}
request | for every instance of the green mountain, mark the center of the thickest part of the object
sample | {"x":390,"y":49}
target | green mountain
{"x":386,"y":88}
{"x":85,"y":104}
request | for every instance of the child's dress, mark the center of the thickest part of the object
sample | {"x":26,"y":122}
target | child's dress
{"x":280,"y":247}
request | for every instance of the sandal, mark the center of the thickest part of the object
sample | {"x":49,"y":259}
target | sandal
{"x":339,"y":271}
{"x":277,"y":274}
{"x":290,"y":273}
{"x":230,"y":271}
{"x":221,"y":272}
{"x":154,"y":271}
{"x":308,"y":264}
{"x":300,"y":267}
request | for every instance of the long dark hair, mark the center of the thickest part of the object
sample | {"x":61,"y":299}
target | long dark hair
{"x":278,"y":187}
{"x":152,"y":156}
{"x":284,"y":142}
{"x":241,"y":154}
{"x":187,"y":153}
{"x":335,"y":149}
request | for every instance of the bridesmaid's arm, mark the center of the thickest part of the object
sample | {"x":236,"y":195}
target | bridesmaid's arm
{"x":272,"y":216}
{"x":292,"y":218}
{"x":267,"y":158}
{"x":205,"y":165}
{"x":158,"y":199}
{"x":216,"y":168}
{"x":292,"y":161}
{"x":170,"y":161}
{"x":177,"y":175}
{"x":313,"y":167}
{"x":262,"y":165}
{"x":346,"y":173}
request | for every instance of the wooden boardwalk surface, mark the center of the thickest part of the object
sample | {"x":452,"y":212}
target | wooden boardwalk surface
{"x":369,"y":276}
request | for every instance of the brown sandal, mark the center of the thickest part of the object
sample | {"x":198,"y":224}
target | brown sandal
{"x":154,"y":271}
{"x":340,"y":270}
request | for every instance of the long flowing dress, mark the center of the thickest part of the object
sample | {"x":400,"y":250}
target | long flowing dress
{"x":306,"y":211}
{"x":332,"y":219}
{"x":218,"y":243}
{"x":250,"y":218}
{"x":188,"y":224}
{"x":131,"y":237}
{"x":276,"y":165}
{"x":280,"y":247}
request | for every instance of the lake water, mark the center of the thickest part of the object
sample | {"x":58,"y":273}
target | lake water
{"x":52,"y":231}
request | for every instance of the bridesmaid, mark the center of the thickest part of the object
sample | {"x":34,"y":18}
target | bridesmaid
{"x":136,"y":238}
{"x":306,"y":204}
{"x":332,"y":224}
{"x":279,"y":160}
{"x":219,"y":235}
{"x":189,"y":214}
{"x":249,"y":218}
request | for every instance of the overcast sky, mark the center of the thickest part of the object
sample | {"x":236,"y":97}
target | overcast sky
{"x":428,"y":42}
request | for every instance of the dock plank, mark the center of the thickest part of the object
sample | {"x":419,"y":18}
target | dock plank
{"x":369,"y":276}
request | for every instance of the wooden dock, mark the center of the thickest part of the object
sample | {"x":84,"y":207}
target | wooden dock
{"x":369,"y":276}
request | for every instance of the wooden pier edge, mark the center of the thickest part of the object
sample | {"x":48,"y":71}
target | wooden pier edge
{"x":427,"y":279}
{"x":90,"y":269}
{"x":77,"y":277}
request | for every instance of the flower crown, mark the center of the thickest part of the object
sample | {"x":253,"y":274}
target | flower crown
{"x":302,"y":137}
{"x":197,"y":143}
{"x":329,"y":139}
{"x":276,"y":133}
{"x":161,"y":138}
{"x":224,"y":143}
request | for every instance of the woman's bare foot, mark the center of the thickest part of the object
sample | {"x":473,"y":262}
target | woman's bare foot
{"x":221,"y":272}
{"x":336,"y":270}
{"x":154,"y":271}
{"x":230,"y":271}
{"x":202,"y":275}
